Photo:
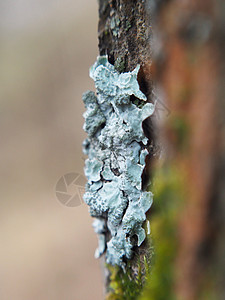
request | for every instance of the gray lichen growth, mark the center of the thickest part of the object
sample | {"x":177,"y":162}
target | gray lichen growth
{"x":114,"y":25}
{"x":116,"y":147}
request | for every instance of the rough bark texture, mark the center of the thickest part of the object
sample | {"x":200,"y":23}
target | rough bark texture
{"x":124,"y":33}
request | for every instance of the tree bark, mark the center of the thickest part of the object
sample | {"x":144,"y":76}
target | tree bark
{"x":188,"y":212}
{"x":124,"y":32}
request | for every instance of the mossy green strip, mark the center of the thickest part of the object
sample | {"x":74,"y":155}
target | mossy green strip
{"x":168,"y":199}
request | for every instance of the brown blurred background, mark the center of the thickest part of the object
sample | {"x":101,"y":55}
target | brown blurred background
{"x":47,"y":249}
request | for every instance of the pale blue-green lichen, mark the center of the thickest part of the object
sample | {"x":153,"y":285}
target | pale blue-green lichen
{"x":116,"y":147}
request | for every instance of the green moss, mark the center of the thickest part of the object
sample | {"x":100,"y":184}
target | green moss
{"x":167,"y":200}
{"x":122,"y":284}
{"x":129,"y":284}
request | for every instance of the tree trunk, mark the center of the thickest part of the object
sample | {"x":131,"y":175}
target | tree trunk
{"x":188,"y":214}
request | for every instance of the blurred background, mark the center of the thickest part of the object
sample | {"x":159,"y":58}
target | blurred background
{"x":46,"y":49}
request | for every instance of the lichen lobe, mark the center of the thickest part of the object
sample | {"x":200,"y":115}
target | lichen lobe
{"x":116,"y":147}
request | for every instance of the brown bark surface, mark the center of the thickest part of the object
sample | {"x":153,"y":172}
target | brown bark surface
{"x":190,"y":74}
